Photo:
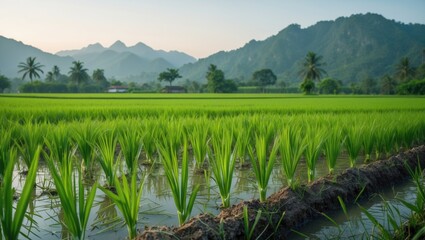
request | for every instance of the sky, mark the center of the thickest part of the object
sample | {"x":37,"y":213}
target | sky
{"x":196,"y":27}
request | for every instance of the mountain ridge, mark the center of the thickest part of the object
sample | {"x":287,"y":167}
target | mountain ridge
{"x":354,"y":47}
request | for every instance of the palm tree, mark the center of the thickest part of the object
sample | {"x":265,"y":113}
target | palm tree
{"x":388,"y":85}
{"x":403,"y":70}
{"x":99,"y":75}
{"x":311,"y":68}
{"x":50,"y":77}
{"x":56,"y":72}
{"x":30,"y":68}
{"x":78,"y":73}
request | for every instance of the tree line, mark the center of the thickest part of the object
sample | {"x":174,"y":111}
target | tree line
{"x":406,"y":79}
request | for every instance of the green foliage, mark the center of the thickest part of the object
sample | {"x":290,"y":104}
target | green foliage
{"x":249,"y":230}
{"x":263,"y":161}
{"x":307,"y":86}
{"x":76,"y":205}
{"x":78,"y":74}
{"x":11,"y":218}
{"x":291,"y":149}
{"x":404,"y":70}
{"x":313,"y":144}
{"x":222,"y":161}
{"x":131,"y":146}
{"x":106,"y":146}
{"x":178,"y":182}
{"x":416,"y":87}
{"x":329,"y":86}
{"x":169,"y":76}
{"x":312,"y":67}
{"x":127,"y":199}
{"x":333,"y":144}
{"x":4,"y":83}
{"x":264,"y":77}
{"x":30,"y":68}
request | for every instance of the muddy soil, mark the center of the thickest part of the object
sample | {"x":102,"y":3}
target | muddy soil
{"x":298,"y":206}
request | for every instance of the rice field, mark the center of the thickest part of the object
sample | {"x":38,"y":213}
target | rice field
{"x":110,"y":164}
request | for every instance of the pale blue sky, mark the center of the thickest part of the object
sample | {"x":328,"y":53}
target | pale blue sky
{"x":197,"y":27}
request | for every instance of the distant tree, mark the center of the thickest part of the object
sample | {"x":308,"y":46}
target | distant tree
{"x":30,"y":68}
{"x":4,"y":83}
{"x":99,"y":77}
{"x":78,"y":73}
{"x":388,"y":85}
{"x":56,"y":72}
{"x":404,"y":71}
{"x":264,"y":77}
{"x":50,"y":77}
{"x":416,"y":87}
{"x":420,"y":72}
{"x":354,"y":87}
{"x":215,"y":79}
{"x":312,"y":67}
{"x":307,"y":86}
{"x":329,"y":86}
{"x":368,"y":85}
{"x":169,"y":76}
{"x":229,"y":86}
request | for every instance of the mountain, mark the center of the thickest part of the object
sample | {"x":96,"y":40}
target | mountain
{"x":14,"y":52}
{"x":355,"y":47}
{"x":120,"y":61}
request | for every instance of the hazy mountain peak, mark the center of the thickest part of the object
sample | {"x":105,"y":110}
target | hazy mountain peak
{"x":118,"y":46}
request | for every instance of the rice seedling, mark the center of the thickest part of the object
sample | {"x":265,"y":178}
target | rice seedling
{"x":12,"y":218}
{"x":148,"y":140}
{"x":249,"y":230}
{"x":76,"y":205}
{"x":127,"y":199}
{"x":131,"y":146}
{"x":291,"y":149}
{"x":5,"y":145}
{"x":106,"y":146}
{"x":353,"y":143}
{"x":199,"y":141}
{"x":169,"y":150}
{"x":222,"y":162}
{"x":332,"y":148}
{"x":243,"y":139}
{"x":263,"y":161}
{"x":58,"y":141}
{"x":30,"y":137}
{"x":368,"y":141}
{"x":86,"y":135}
{"x":311,"y":146}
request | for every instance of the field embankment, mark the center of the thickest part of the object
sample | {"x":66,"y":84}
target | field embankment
{"x":297,"y":206}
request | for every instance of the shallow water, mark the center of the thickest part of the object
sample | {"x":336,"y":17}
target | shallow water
{"x":356,"y":225}
{"x":157,"y":205}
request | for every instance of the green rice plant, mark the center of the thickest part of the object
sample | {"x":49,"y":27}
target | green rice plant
{"x":263,"y":161}
{"x":353,"y":143}
{"x":199,"y":141}
{"x":368,"y":141}
{"x":86,"y":135}
{"x":291,"y":149}
{"x":106,"y":146}
{"x":222,"y":162}
{"x":149,"y":137}
{"x":311,"y":146}
{"x":243,"y":139}
{"x":59,"y":143}
{"x":5,"y":146}
{"x":178,"y":182}
{"x":76,"y":205}
{"x":249,"y":230}
{"x":12,"y":218}
{"x":30,"y":137}
{"x":332,"y":146}
{"x":131,"y":146}
{"x":127,"y":199}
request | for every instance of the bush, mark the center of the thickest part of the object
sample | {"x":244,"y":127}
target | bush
{"x":416,"y":87}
